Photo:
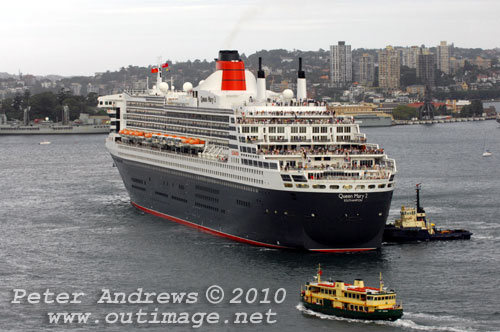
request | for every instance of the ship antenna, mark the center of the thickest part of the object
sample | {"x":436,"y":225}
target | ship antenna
{"x":381,"y":282}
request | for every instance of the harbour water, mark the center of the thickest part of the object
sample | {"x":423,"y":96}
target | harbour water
{"x":67,"y":226}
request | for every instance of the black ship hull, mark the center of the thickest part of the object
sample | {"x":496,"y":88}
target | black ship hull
{"x":394,"y":234}
{"x":327,"y":222}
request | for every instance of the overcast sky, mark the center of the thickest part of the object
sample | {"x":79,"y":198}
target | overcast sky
{"x":68,"y":37}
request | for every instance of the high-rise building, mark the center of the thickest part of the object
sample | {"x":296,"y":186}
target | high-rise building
{"x":340,"y":64}
{"x":388,"y":68}
{"x":410,"y":55}
{"x":426,"y":68}
{"x":443,"y":57}
{"x":366,"y":70}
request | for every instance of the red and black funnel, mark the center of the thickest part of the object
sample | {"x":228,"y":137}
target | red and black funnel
{"x":233,"y":70}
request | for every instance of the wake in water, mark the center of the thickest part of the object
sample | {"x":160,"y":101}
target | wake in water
{"x":400,"y":323}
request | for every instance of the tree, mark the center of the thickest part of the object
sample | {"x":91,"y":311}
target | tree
{"x":404,"y":112}
{"x":443,"y":110}
{"x":62,"y":95}
{"x":44,"y":105}
{"x":408,"y":76}
{"x":26,"y":99}
{"x":91,"y":99}
{"x":17,"y":102}
{"x":474,"y":109}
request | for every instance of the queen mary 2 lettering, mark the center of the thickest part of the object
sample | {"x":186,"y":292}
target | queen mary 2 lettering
{"x":236,"y":160}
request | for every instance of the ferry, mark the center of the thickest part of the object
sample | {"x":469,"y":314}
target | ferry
{"x":414,"y":226}
{"x":231,"y":158}
{"x":355,"y":301}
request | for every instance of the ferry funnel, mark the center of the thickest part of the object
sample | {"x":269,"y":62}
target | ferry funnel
{"x":233,"y":70}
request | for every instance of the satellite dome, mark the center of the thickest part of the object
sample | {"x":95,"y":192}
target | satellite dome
{"x":187,"y":86}
{"x":164,"y":87}
{"x":287,"y":94}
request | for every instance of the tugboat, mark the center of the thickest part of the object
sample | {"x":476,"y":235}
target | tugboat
{"x":351,"y":300}
{"x":413,"y":226}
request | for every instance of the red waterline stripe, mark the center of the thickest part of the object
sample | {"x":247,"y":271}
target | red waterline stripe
{"x":232,"y":237}
{"x":206,"y":229}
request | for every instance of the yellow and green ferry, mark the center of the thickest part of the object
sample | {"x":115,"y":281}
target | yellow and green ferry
{"x":351,"y":300}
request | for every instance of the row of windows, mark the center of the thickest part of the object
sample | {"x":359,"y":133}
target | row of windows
{"x":161,"y":194}
{"x":208,"y":162}
{"x":178,"y":129}
{"x":331,"y":173}
{"x":205,"y":117}
{"x":343,"y":129}
{"x":247,"y":130}
{"x":274,"y":130}
{"x":248,"y":149}
{"x":381,"y":298}
{"x":317,"y":130}
{"x":183,"y":200}
{"x":301,"y":130}
{"x":243,"y":203}
{"x":208,"y":207}
{"x":207,"y":198}
{"x":261,"y":164}
{"x":188,"y":123}
{"x":136,"y":180}
{"x":145,"y":104}
{"x":336,"y":187}
{"x":187,"y":110}
{"x":138,"y":188}
{"x":207,"y":189}
{"x":293,"y":130}
{"x":203,"y":170}
{"x":353,"y":295}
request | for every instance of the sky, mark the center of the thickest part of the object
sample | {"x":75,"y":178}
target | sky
{"x":74,"y":37}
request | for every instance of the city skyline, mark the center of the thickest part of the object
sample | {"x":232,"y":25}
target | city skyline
{"x":84,"y":37}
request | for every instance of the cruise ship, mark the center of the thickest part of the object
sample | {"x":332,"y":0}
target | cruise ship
{"x":236,"y":160}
